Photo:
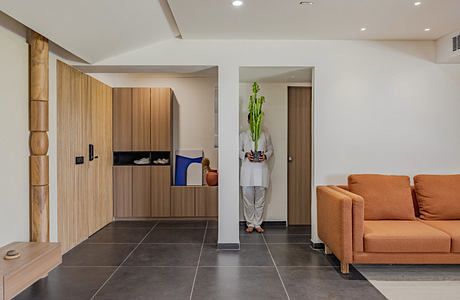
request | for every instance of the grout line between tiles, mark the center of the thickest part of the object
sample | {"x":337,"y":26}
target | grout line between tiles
{"x":199,"y":259}
{"x":111,"y":275}
{"x":276,"y":268}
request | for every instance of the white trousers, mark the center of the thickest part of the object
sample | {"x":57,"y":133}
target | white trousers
{"x":254,"y":201}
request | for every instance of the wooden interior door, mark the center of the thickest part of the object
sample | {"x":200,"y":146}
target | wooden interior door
{"x":299,"y":151}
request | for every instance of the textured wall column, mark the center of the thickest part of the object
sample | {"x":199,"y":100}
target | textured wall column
{"x":38,"y":142}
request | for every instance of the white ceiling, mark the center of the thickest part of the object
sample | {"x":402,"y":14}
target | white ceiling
{"x":325,"y":19}
{"x":98,"y":29}
{"x":276,"y":74}
{"x":93,"y":29}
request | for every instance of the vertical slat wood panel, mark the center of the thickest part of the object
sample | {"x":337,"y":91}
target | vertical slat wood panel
{"x":206,"y":199}
{"x":160,"y":193}
{"x":182,"y":201}
{"x":299,"y":148}
{"x":123,"y":191}
{"x":141,"y":191}
{"x":161,"y":119}
{"x":141,"y":119}
{"x":122,"y":119}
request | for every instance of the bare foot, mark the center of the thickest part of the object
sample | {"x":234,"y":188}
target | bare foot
{"x":259,"y":229}
{"x":250,"y":229}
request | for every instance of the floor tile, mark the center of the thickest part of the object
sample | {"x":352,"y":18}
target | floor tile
{"x":251,"y":238}
{"x":119,"y":235}
{"x":130,"y":224}
{"x":149,"y":283}
{"x":299,"y":255}
{"x":211,"y":236}
{"x":212,"y":224}
{"x":170,"y":235}
{"x":68,"y":283}
{"x":97,"y":254}
{"x":165,"y":255}
{"x":288,"y":238}
{"x":248,"y":255}
{"x":182,"y":224}
{"x":326,"y":283}
{"x":287,"y":230}
{"x":238,"y":283}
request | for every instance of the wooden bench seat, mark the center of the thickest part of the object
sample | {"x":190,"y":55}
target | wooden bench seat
{"x":36,"y":260}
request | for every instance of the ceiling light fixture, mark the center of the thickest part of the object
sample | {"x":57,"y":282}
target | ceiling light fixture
{"x":237,"y":3}
{"x":363,"y":29}
{"x":427,"y":29}
{"x":417,"y":3}
{"x":306,"y":3}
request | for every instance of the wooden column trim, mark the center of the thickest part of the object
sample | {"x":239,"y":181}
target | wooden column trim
{"x":38,"y":141}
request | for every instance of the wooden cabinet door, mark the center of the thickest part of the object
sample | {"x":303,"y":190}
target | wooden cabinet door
{"x":161,"y":119}
{"x":160,"y":193}
{"x":122,"y":119}
{"x":182,"y":201}
{"x":206,"y":199}
{"x":141,"y":191}
{"x":123,"y":191}
{"x":141,"y":119}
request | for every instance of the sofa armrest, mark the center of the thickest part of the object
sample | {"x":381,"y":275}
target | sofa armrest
{"x":334,"y":211}
{"x":358,"y":218}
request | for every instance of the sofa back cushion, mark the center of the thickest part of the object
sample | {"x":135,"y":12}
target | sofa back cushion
{"x":438,"y":196}
{"x":386,"y":197}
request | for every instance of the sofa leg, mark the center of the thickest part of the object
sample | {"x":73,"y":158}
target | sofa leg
{"x":344,"y":268}
{"x":327,"y":250}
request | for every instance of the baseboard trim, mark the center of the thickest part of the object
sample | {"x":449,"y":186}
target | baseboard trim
{"x":228,"y":246}
{"x":317,"y":245}
{"x":267,"y":223}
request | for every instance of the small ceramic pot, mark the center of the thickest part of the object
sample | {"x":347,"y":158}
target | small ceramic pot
{"x":212,"y":177}
{"x":256,"y":155}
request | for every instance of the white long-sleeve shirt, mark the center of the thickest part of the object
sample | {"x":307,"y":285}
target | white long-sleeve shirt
{"x":255,"y":173}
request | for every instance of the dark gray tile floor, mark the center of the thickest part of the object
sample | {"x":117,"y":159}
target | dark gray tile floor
{"x":180,"y":260}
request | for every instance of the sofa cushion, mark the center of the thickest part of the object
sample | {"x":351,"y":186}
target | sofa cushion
{"x":452,"y":228}
{"x":404,"y":236}
{"x":386,"y":197}
{"x":438,"y":196}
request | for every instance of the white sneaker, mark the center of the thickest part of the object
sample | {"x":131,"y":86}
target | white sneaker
{"x":142,"y":161}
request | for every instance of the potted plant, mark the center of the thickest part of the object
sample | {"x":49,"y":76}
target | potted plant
{"x":255,"y":126}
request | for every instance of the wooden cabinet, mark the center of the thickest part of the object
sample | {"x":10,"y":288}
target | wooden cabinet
{"x":123,"y":191}
{"x":141,"y":119}
{"x":194,"y":201}
{"x":183,"y":201}
{"x":160,"y":191}
{"x":161,"y":119}
{"x":122,"y":119}
{"x":206,"y":201}
{"x":141,"y":191}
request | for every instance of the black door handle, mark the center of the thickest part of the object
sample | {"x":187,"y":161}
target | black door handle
{"x":91,"y":152}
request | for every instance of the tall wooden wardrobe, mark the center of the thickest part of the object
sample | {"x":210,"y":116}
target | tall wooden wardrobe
{"x":142,"y":127}
{"x":85,"y":192}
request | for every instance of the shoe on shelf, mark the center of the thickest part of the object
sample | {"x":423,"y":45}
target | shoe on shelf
{"x":142,"y":161}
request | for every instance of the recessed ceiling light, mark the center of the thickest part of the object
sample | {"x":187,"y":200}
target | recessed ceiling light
{"x":237,"y":3}
{"x":305,"y":3}
{"x":417,"y":3}
{"x":363,"y":29}
{"x":427,"y":29}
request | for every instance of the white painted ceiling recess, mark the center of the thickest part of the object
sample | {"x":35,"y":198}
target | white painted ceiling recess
{"x":325,"y":19}
{"x":93,"y":30}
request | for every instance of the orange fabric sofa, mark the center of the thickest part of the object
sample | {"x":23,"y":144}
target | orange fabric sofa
{"x":382,"y":219}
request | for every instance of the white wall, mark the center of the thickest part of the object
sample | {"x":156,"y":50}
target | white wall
{"x":14,"y":137}
{"x":193,"y":112}
{"x":275,"y":123}
{"x":444,"y":53}
{"x":383,"y":107}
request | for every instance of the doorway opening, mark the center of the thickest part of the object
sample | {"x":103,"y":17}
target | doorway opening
{"x":287,"y":119}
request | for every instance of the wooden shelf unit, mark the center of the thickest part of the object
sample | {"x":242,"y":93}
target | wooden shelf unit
{"x":194,"y":201}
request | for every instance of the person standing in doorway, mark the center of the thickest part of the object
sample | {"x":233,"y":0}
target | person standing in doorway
{"x":254,"y":177}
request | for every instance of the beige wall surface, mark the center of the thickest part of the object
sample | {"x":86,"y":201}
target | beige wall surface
{"x":14,"y":138}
